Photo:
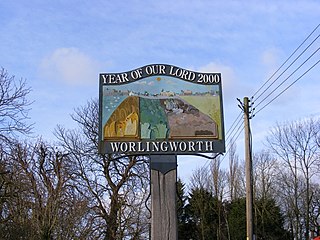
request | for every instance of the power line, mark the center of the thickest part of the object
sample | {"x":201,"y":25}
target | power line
{"x":286,"y":60}
{"x":233,"y":132}
{"x":228,"y":149}
{"x":288,"y":77}
{"x":235,"y":135}
{"x":235,"y":129}
{"x":288,"y":67}
{"x":289,"y":86}
{"x":230,"y":129}
{"x":233,"y":126}
{"x":233,"y":140}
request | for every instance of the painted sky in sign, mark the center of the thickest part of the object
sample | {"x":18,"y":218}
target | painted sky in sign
{"x":157,"y":84}
{"x":60,"y":47}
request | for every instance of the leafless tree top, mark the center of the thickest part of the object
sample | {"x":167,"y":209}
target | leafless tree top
{"x":14,"y":106}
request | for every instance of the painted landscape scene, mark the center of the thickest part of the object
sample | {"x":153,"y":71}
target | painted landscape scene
{"x":142,"y":113}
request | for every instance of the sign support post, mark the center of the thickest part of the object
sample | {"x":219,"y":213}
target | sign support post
{"x":163,"y":197}
{"x":161,"y":110}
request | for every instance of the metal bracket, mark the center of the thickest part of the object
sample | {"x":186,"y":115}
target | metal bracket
{"x":163,"y":163}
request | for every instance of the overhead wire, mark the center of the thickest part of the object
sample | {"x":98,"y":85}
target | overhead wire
{"x":235,"y":129}
{"x":292,"y":54}
{"x":236,"y":136}
{"x":236,"y":122}
{"x":288,"y":86}
{"x":286,"y":79}
{"x":231,"y":133}
{"x":287,"y":69}
{"x":289,"y":76}
{"x":233,"y":126}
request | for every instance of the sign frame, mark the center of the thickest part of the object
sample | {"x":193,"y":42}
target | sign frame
{"x":173,"y":137}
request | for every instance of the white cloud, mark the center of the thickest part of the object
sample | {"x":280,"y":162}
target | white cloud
{"x":141,"y":83}
{"x":270,"y":57}
{"x":270,"y":60}
{"x":229,"y":84}
{"x":151,"y":83}
{"x":226,"y":71}
{"x":71,"y":66}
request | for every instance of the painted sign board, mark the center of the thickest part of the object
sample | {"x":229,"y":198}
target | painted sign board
{"x":161,"y":109}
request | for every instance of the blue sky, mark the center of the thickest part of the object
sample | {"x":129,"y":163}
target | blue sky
{"x":60,"y":47}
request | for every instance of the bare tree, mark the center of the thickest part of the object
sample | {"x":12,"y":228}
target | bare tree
{"x":219,"y":179}
{"x":265,"y":171}
{"x":296,"y":145}
{"x":315,"y":210}
{"x":219,"y":182}
{"x":235,"y":174}
{"x":42,"y":204}
{"x":114,"y":184}
{"x":201,"y":179}
{"x":134,"y":215}
{"x":14,"y":106}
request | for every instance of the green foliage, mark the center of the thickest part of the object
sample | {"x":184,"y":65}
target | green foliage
{"x":269,"y":220}
{"x":186,"y":227}
{"x":202,"y":206}
{"x":237,"y":219}
{"x":198,"y":217}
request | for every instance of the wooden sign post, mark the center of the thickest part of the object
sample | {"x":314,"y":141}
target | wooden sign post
{"x":161,"y":110}
{"x":163,"y":197}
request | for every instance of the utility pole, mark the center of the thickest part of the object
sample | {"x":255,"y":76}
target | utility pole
{"x":249,"y":181}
